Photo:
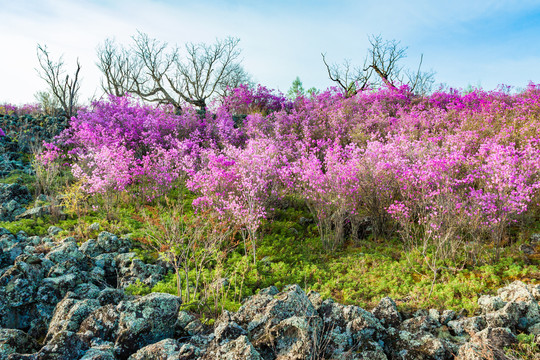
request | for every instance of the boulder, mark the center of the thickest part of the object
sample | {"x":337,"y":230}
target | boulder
{"x":99,"y":353}
{"x":386,"y":311}
{"x":65,"y":345}
{"x":69,"y":314}
{"x":105,"y":243}
{"x":496,"y":337}
{"x":101,"y":323}
{"x":132,"y":270}
{"x":66,"y":250}
{"x":16,"y":341}
{"x":240,"y":348}
{"x":417,"y":346}
{"x":225,"y":331}
{"x":167,"y":349}
{"x":13,"y":198}
{"x":468,"y":325}
{"x":145,"y":321}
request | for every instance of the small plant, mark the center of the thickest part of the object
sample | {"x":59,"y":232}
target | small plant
{"x":47,"y":175}
{"x":188,"y":242}
{"x":75,"y":199}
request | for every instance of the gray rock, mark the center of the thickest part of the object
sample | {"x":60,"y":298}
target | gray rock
{"x":54,"y":230}
{"x":111,"y":296}
{"x":465,"y":326}
{"x":263,"y":311}
{"x":496,"y":337}
{"x":99,"y":353}
{"x":35,"y":212}
{"x":65,"y":345}
{"x":516,"y":291}
{"x":535,"y":329}
{"x":420,"y":324}
{"x":315,"y":298}
{"x":69,"y":314}
{"x":111,"y":243}
{"x":293,"y":338}
{"x":447,"y":316}
{"x":94,"y":227}
{"x":508,"y":316}
{"x":132,"y":270}
{"x":144,"y":321}
{"x":105,"y":243}
{"x":418,"y":346}
{"x":490,"y":303}
{"x":13,"y":198}
{"x":67,"y":250}
{"x":471,"y":351}
{"x":16,"y":341}
{"x":227,"y":330}
{"x":387,"y":312}
{"x":183,"y":319}
{"x":240,"y":348}
{"x":102,"y":323}
{"x":167,"y":349}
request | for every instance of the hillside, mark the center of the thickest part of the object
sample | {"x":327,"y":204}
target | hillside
{"x":424,"y":211}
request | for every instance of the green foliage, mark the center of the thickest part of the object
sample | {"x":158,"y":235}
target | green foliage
{"x":18,"y":176}
{"x":138,"y":289}
{"x":296,"y":89}
{"x":31,"y":227}
{"x":290,"y":252}
{"x":361,"y":274}
{"x":526,"y":348}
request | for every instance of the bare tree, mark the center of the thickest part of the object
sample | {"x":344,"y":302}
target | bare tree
{"x":350,"y":79}
{"x":65,"y":90}
{"x":421,"y":82}
{"x":382,"y":59}
{"x":157,"y":73}
{"x":115,"y":64}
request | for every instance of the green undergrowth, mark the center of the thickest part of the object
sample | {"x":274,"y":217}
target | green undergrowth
{"x":526,"y":348}
{"x":18,"y":176}
{"x":289,"y":251}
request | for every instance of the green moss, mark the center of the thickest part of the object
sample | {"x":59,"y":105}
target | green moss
{"x":290,"y":251}
{"x":138,"y":289}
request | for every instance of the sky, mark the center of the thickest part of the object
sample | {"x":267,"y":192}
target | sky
{"x":466,"y":43}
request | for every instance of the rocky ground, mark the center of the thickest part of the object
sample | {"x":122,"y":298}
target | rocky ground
{"x":24,"y":135}
{"x":60,"y":299}
{"x":64,"y":300}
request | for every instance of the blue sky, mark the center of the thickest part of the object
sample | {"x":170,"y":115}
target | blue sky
{"x":481,"y":43}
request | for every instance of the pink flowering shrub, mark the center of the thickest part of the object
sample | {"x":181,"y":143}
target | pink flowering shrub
{"x":428,"y":167}
{"x":245,"y":100}
{"x":241,"y":183}
{"x":26,"y":109}
{"x":105,"y":169}
{"x":155,"y":147}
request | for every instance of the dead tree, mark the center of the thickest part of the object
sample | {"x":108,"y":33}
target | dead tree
{"x":116,"y":65}
{"x":383,"y":60}
{"x":350,"y":79}
{"x":65,"y":90}
{"x":155,"y":73}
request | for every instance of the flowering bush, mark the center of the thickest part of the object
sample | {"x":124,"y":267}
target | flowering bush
{"x":27,"y":109}
{"x":245,"y":100}
{"x":241,"y":184}
{"x":429,"y":165}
